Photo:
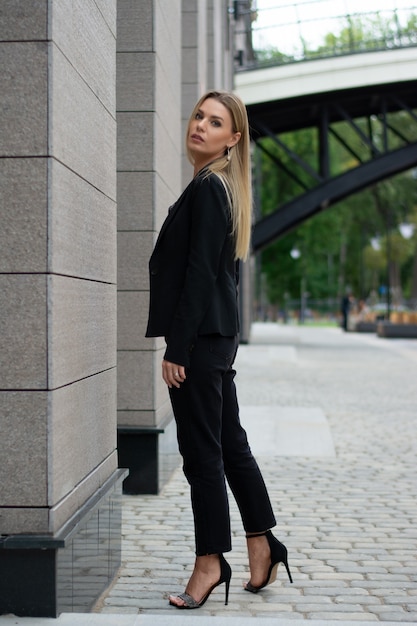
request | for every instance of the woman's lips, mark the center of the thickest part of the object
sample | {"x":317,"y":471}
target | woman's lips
{"x":197,"y":138}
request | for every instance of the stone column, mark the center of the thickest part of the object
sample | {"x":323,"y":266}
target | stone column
{"x":59,"y":482}
{"x":148,"y":182}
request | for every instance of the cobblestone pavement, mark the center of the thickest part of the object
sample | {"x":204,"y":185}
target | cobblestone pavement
{"x":349,"y":519}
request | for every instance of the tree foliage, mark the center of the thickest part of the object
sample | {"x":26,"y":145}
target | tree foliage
{"x":357,"y":33}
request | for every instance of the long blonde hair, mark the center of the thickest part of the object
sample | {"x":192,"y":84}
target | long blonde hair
{"x":234,"y":171}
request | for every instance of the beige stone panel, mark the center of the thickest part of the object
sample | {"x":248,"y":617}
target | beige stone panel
{"x":134,"y":25}
{"x":135,"y":380}
{"x":135,"y":81}
{"x":108,"y":9}
{"x":140,"y":384}
{"x":187,"y":171}
{"x":24,"y":98}
{"x":23,"y":520}
{"x":190,"y":95}
{"x":164,"y":412}
{"x":23,"y":233}
{"x":190,"y":29}
{"x":132,"y":317}
{"x":15,"y":520}
{"x":164,"y":198}
{"x":184,"y":124}
{"x":170,"y":14}
{"x":82,"y":329}
{"x":168,"y":56}
{"x":23,"y":336}
{"x":160,"y":389}
{"x":81,"y":33}
{"x":23,"y":20}
{"x":23,"y":469}
{"x":189,"y":5}
{"x":135,"y":141}
{"x":189,"y":65}
{"x":70,"y":504}
{"x":83,"y":132}
{"x":189,"y":98}
{"x":82,"y":432}
{"x":135,"y":194}
{"x":136,"y":418}
{"x":146,"y":418}
{"x":156,"y":343}
{"x":159,"y":343}
{"x":134,"y":251}
{"x":168,"y":75}
{"x":82,"y":222}
{"x":168,"y":155}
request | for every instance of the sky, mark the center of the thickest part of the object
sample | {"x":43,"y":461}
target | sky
{"x":285,"y":21}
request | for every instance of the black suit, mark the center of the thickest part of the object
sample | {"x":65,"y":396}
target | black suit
{"x":193,"y":304}
{"x":193,"y":272}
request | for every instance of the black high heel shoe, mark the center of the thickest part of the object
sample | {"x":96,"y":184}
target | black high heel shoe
{"x":279,"y":554}
{"x":225,"y":576}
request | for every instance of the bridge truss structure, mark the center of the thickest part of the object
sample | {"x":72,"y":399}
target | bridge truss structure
{"x":390,"y":152}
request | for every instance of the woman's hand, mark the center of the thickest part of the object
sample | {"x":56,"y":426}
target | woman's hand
{"x":172,"y":373}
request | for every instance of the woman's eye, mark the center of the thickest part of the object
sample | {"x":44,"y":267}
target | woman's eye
{"x":198,"y":116}
{"x":216,"y":123}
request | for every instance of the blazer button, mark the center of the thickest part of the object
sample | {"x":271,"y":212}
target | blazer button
{"x":154,"y":272}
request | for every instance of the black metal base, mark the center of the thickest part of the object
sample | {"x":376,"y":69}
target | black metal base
{"x":366,"y":327}
{"x":389,"y":330}
{"x":151,"y":454}
{"x":43,"y":576}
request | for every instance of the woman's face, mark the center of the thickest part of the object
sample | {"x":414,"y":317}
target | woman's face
{"x":210,"y":133}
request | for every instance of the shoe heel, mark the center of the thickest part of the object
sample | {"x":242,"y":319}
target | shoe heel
{"x":225,"y":576}
{"x":288,"y":570}
{"x":226,"y":599}
{"x":279,"y":553}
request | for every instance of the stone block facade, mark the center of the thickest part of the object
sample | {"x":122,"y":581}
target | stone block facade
{"x":58,"y":294}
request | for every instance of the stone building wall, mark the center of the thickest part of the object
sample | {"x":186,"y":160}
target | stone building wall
{"x":57,"y":282}
{"x":58,"y":261}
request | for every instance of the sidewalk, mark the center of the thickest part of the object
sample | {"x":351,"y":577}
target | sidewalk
{"x":331,"y":418}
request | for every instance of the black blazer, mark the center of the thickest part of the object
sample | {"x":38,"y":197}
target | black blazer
{"x":193,"y":277}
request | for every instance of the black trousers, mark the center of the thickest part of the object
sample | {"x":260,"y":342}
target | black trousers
{"x":214,"y":446}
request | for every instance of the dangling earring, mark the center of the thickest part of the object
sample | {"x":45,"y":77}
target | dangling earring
{"x":228,"y":153}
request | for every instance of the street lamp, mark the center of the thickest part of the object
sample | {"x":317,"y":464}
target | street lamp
{"x":376,"y":243}
{"x":406,"y":230}
{"x":295,"y":254}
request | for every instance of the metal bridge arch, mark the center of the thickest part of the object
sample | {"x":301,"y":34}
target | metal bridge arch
{"x":322,"y":110}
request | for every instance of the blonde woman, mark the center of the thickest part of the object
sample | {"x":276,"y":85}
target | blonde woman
{"x":193,"y":304}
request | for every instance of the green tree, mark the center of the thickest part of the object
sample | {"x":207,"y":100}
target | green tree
{"x":333,"y":244}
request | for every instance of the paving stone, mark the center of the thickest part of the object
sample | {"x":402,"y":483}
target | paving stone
{"x":348,"y":521}
{"x":342,"y":616}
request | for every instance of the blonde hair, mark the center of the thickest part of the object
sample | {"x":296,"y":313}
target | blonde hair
{"x":235,"y":171}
